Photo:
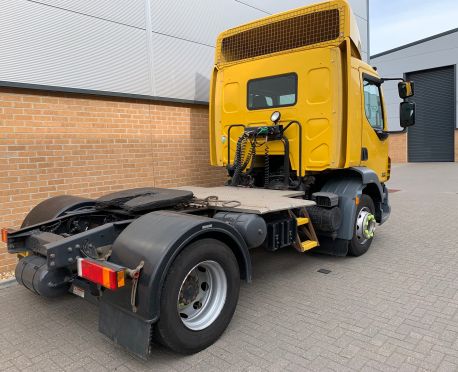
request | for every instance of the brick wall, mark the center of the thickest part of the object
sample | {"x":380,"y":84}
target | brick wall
{"x":53,"y":144}
{"x":398,"y":148}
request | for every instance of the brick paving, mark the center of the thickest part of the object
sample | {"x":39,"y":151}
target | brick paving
{"x":395,"y":308}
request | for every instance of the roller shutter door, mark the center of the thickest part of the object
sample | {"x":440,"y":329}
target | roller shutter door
{"x":432,"y":137}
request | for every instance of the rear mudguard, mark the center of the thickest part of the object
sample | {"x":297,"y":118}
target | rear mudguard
{"x":55,"y":207}
{"x":348,"y":186}
{"x":156,"y":239}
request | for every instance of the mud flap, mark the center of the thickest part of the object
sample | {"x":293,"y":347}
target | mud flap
{"x":334,"y":247}
{"x":385,"y":206}
{"x":126,"y":329}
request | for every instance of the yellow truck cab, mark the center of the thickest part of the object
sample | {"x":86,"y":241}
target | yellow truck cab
{"x":293,"y":106}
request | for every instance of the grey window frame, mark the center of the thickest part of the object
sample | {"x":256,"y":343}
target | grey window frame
{"x":373,"y":80}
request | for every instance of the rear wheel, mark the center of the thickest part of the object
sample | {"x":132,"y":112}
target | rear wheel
{"x":364,"y":227}
{"x":199,"y":296}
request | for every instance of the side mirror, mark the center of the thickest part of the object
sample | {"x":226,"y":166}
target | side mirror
{"x":407,"y":114}
{"x":405,"y":89}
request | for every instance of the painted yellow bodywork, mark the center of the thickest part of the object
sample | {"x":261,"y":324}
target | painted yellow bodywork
{"x":329,"y":106}
{"x":308,"y":244}
{"x":302,"y":221}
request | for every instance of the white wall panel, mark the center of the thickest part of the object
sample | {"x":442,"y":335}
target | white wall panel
{"x":360,"y":7}
{"x":181,"y":68}
{"x":362,"y":26}
{"x":49,"y":46}
{"x":274,"y":6}
{"x":200,"y":21}
{"x":131,"y":13}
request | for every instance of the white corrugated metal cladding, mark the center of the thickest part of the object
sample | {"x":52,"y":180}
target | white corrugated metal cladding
{"x":157,"y":48}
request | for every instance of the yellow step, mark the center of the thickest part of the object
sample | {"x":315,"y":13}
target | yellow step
{"x":302,"y":221}
{"x":308,"y":244}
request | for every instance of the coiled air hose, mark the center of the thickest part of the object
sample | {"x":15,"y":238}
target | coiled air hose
{"x":239,"y":167}
{"x":266,"y":166}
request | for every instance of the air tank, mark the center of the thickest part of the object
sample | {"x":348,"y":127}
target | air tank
{"x":252,"y":227}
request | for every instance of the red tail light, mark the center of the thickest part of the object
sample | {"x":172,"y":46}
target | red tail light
{"x":106,"y":274}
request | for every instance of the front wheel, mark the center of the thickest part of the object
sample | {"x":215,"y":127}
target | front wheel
{"x":364,"y":227}
{"x":199,"y":296}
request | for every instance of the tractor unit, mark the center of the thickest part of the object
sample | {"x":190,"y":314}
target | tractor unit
{"x":298,"y":120}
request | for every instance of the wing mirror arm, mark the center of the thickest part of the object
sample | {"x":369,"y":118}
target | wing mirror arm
{"x":387,"y":132}
{"x":406,"y":116}
{"x":405,"y":88}
{"x":406,"y":108}
{"x":382,"y":80}
{"x":383,"y":134}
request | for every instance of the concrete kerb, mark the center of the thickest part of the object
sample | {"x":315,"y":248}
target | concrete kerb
{"x":6,"y":283}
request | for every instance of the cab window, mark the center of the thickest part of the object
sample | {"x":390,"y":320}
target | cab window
{"x":373,"y":104}
{"x":272,"y":91}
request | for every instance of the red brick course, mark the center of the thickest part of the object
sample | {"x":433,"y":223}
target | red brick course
{"x":398,"y":148}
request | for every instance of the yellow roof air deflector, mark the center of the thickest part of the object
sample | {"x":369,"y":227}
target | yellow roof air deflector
{"x":323,"y":24}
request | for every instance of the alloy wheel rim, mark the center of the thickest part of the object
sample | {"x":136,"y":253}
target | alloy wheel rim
{"x":365,"y":225}
{"x":202,"y":295}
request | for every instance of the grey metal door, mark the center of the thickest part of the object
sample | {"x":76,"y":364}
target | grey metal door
{"x":432,"y":136}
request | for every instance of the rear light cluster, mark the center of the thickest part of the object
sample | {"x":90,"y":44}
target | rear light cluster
{"x":5,"y":236}
{"x":5,"y":232}
{"x":106,"y":274}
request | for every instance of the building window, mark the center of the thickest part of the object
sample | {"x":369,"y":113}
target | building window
{"x":373,"y":104}
{"x":273,"y":91}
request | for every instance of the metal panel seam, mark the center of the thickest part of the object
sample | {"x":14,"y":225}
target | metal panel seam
{"x":149,"y":46}
{"x":368,"y":33}
{"x":251,"y":6}
{"x":84,"y":14}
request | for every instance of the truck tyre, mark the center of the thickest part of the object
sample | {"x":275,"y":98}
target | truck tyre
{"x":199,"y":297}
{"x":364,"y":227}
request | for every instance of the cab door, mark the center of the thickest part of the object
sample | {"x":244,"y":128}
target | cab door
{"x":374,"y":142}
